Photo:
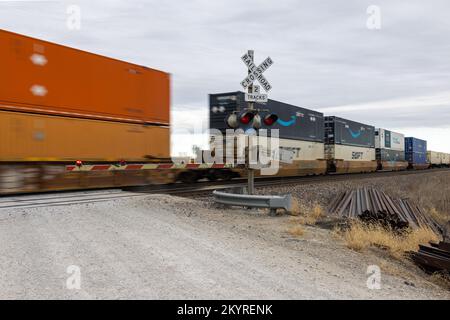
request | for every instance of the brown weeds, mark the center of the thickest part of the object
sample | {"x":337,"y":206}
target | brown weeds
{"x":308,"y":215}
{"x":359,"y":236}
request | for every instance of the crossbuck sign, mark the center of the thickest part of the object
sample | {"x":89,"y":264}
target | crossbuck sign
{"x":256,"y":73}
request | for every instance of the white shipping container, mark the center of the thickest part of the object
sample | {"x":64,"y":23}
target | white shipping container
{"x":434,"y":157}
{"x":385,"y":139}
{"x":446,"y":159}
{"x":349,"y":153}
{"x":302,"y":150}
{"x":438,"y":158}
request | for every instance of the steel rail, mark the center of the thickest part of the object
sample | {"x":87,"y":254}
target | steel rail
{"x":186,"y":190}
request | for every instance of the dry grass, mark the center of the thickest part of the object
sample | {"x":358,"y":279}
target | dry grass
{"x":304,"y":215}
{"x":314,"y":215}
{"x":297,"y":208}
{"x":441,"y":279}
{"x":431,"y":191}
{"x":308,"y":215}
{"x":296,"y":231}
{"x":395,"y":269}
{"x":359,"y":236}
{"x":439,"y":217}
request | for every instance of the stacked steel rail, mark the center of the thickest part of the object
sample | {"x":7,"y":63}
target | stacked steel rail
{"x":372,"y":205}
{"x":433,"y":258}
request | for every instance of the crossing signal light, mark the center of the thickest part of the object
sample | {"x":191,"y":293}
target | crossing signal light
{"x":246,"y":117}
{"x":270,"y":119}
{"x":250,"y":117}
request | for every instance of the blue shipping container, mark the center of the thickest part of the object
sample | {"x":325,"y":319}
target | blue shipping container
{"x":415,"y":145}
{"x":293,"y":122}
{"x":416,"y":157}
{"x":347,"y":132}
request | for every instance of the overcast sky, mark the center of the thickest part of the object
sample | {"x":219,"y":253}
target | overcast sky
{"x":325,"y":56}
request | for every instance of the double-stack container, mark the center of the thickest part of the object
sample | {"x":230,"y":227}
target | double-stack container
{"x":390,"y":150}
{"x":62,"y":104}
{"x":416,"y":153}
{"x":446,"y":159}
{"x":300,"y":130}
{"x":349,"y":146}
{"x":438,"y":159}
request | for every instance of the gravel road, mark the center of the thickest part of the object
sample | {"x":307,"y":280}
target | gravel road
{"x":165,"y":247}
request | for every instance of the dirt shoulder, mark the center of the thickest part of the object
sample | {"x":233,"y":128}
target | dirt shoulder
{"x":164,"y":247}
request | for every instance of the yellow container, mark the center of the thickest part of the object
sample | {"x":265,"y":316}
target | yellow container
{"x":33,"y":137}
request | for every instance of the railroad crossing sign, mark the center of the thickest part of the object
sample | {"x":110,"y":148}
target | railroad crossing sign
{"x":256,"y":72}
{"x":255,"y":97}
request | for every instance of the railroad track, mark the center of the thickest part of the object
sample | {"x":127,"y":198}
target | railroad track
{"x":203,"y":188}
{"x":207,"y":187}
{"x":63,"y":198}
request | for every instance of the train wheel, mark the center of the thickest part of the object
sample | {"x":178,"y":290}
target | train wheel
{"x":212,"y":175}
{"x":226,"y":175}
{"x":188,"y":177}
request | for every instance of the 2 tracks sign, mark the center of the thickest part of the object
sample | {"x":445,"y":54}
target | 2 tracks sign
{"x":255,"y":73}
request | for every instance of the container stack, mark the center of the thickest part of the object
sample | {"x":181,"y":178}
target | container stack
{"x":300,"y":130}
{"x":438,"y":159}
{"x":59,"y":104}
{"x":416,"y":153}
{"x":349,"y":145}
{"x":390,"y":150}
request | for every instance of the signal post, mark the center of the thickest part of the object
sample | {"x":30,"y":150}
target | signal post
{"x":251,"y":114}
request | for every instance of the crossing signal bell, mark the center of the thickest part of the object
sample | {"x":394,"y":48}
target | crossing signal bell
{"x":232,"y":121}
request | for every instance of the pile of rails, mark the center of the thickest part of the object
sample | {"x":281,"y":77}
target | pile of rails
{"x":433,"y":258}
{"x":372,"y":205}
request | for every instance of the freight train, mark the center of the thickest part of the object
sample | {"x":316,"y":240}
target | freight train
{"x":70,"y":119}
{"x":329,"y":144}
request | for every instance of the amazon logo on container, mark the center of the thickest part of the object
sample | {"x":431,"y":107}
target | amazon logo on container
{"x":292,"y":120}
{"x":287,"y":123}
{"x":355,"y":134}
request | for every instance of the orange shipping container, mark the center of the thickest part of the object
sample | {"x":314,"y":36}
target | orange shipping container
{"x":43,"y":77}
{"x":34,"y":137}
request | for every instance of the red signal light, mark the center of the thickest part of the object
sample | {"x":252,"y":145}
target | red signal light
{"x":78,"y":163}
{"x":246,"y":117}
{"x":270,"y":119}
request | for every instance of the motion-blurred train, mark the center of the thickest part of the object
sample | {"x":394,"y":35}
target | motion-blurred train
{"x":70,"y":119}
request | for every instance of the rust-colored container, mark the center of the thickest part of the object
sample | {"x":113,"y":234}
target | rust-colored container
{"x":43,"y":77}
{"x":44,"y":138}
